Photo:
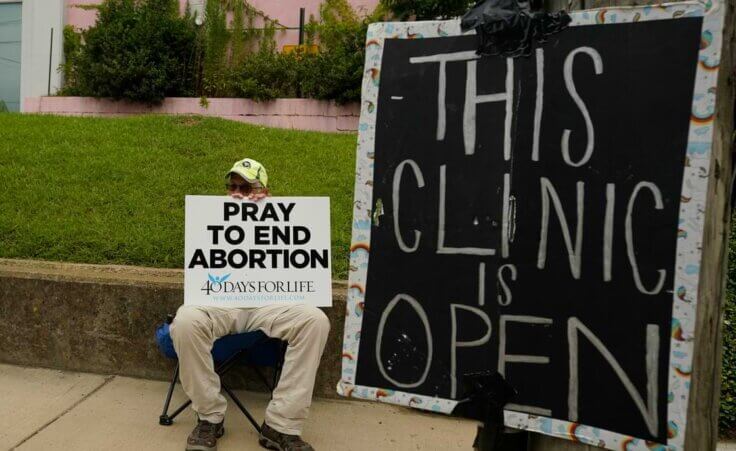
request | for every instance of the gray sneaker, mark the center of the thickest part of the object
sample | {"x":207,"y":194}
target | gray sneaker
{"x":272,"y":439}
{"x":204,"y":436}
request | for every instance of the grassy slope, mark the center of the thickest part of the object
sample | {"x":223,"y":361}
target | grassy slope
{"x":112,"y":190}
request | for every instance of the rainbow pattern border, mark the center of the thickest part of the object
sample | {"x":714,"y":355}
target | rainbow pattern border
{"x":690,"y":228}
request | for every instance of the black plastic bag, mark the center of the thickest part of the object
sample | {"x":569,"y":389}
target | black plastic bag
{"x":509,"y":28}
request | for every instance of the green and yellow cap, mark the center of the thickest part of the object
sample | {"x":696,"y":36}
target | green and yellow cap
{"x":251,"y":170}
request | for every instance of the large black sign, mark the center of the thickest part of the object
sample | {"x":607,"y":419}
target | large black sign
{"x":526,"y":220}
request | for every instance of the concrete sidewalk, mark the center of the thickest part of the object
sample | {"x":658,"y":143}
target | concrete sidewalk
{"x":44,"y":409}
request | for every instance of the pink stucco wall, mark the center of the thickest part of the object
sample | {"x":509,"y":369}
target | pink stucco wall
{"x":285,"y":12}
{"x":298,"y":114}
{"x":80,"y":17}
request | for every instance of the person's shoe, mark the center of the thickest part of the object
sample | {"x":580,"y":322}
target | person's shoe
{"x":272,"y":439}
{"x":204,"y":436}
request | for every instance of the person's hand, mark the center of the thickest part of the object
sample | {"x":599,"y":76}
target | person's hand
{"x":253,"y":196}
{"x":256,"y":196}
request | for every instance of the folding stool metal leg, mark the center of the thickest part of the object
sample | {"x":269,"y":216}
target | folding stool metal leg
{"x":271,"y":387}
{"x":167,"y":420}
{"x":241,"y":407}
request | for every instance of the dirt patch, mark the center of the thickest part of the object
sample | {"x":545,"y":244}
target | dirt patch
{"x":188,"y":121}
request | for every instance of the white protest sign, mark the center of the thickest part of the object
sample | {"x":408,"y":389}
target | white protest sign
{"x":240,"y":253}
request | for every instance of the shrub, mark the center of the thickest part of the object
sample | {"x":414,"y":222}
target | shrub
{"x":334,"y":75}
{"x":140,"y":50}
{"x":267,"y":75}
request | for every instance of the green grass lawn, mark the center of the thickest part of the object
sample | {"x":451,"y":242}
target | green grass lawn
{"x":98,"y":190}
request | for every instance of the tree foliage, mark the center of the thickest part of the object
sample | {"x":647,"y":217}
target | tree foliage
{"x":426,"y":9}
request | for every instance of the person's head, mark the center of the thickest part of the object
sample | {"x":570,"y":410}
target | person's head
{"x":247,"y":177}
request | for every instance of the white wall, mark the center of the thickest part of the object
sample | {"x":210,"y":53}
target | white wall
{"x":39,"y":17}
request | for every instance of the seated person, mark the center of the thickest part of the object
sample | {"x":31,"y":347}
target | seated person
{"x":304,"y":328}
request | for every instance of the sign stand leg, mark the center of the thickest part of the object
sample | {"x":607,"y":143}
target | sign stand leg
{"x":495,"y":437}
{"x":488,"y":394}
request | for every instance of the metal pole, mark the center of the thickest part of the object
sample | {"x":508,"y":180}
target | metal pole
{"x":301,"y":26}
{"x":51,"y":53}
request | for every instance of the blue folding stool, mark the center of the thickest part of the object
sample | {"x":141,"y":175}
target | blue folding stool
{"x":253,"y":349}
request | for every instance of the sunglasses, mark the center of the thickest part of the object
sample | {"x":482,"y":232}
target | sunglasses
{"x":244,"y":188}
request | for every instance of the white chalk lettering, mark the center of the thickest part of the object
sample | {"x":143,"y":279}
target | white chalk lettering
{"x":505,"y":215}
{"x":649,"y":410}
{"x":570,"y":84}
{"x":608,"y":231}
{"x":538,"y":104}
{"x":630,"y":252}
{"x":443,"y":59}
{"x":481,"y":284}
{"x":573,"y":252}
{"x":473,"y":99}
{"x":396,"y":191}
{"x":506,"y":290}
{"x":379,"y":339}
{"x":454,"y":344}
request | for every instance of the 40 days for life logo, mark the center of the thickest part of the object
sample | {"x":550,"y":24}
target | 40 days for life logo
{"x":222,"y":285}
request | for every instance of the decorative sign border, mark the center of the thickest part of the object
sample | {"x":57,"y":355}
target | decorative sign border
{"x":690,"y":228}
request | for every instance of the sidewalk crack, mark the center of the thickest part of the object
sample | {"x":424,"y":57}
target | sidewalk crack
{"x":107,"y":380}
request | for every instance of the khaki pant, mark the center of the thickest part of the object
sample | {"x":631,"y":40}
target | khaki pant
{"x":304,"y":328}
